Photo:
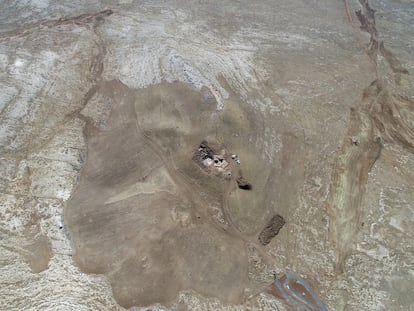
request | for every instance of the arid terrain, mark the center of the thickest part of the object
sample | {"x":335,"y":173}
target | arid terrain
{"x":207,"y":155}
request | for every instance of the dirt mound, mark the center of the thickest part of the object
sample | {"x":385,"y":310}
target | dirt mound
{"x":140,"y":215}
{"x":271,"y":230}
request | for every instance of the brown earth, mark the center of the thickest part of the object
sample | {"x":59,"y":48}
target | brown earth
{"x":36,"y":249}
{"x":37,"y":253}
{"x":271,"y":230}
{"x":143,"y":212}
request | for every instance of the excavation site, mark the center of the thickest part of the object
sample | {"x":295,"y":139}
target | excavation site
{"x":207,"y":155}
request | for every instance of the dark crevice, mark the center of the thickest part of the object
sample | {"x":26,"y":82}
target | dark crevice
{"x":376,"y":47}
{"x":80,"y":20}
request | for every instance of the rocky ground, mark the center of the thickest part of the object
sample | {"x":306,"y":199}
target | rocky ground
{"x":104,"y":205}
